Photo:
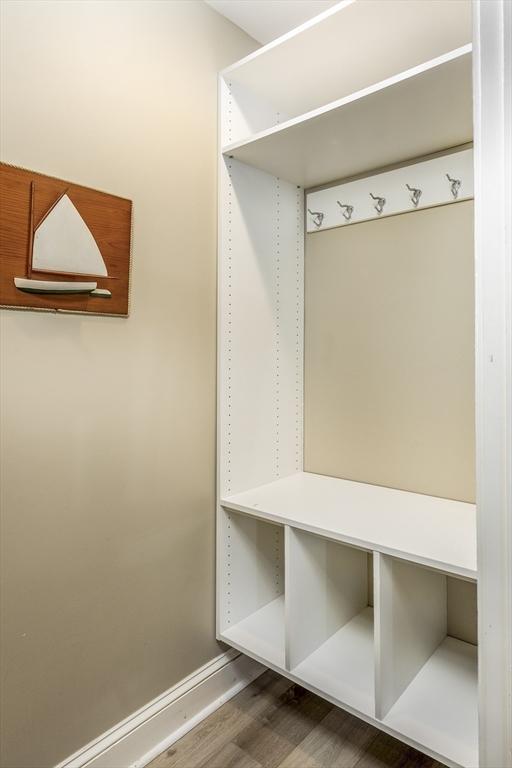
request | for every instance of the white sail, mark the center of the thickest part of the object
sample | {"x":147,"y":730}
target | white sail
{"x":64,"y":243}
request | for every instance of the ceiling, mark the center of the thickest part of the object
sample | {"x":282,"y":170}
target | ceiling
{"x":264,"y":20}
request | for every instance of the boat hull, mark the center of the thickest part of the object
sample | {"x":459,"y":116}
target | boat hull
{"x":53,"y":286}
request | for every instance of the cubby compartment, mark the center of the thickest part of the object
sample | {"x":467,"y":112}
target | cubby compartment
{"x":329,"y":619}
{"x":251,"y":610}
{"x":426,"y":678}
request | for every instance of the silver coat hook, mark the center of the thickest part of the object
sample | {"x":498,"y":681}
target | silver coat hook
{"x":317,"y":217}
{"x":349,"y":210}
{"x":381,"y":202}
{"x":455,"y":185}
{"x":415,"y":196}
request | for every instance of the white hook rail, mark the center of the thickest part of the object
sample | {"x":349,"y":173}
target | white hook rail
{"x":439,"y":181}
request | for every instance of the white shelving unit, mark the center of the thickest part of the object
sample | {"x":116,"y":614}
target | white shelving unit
{"x":308,"y":606}
{"x":324,"y":59}
{"x":391,"y":120}
{"x":341,"y":586}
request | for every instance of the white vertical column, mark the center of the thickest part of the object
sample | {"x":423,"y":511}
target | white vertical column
{"x":289,"y":327}
{"x":245,"y":113}
{"x":260,"y":327}
{"x":492,"y":77}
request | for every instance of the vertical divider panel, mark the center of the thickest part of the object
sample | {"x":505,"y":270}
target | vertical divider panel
{"x":326,"y":586}
{"x":260,"y":328}
{"x":289,"y":573}
{"x":260,"y":324}
{"x":410,"y":613}
{"x":245,"y":113}
{"x":289,"y":327}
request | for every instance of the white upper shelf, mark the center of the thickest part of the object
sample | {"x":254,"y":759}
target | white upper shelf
{"x":420,"y":111}
{"x":435,"y":532}
{"x":324,"y":59}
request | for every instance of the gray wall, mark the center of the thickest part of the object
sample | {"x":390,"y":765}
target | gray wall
{"x":108,"y":425}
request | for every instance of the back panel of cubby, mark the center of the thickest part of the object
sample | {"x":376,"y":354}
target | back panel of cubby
{"x":251,"y":567}
{"x":243,"y":112}
{"x":389,"y":351}
{"x":461,"y":610}
{"x":327,"y":585}
{"x":261,"y":301}
{"x":416,"y":608}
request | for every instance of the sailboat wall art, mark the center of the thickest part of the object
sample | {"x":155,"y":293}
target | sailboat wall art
{"x":63,"y":247}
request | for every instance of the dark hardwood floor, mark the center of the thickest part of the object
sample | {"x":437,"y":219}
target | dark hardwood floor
{"x":274,"y":723}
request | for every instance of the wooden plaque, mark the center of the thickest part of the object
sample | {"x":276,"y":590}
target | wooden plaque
{"x":102,"y":222}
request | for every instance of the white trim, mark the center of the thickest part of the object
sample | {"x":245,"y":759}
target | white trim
{"x":493,"y":203}
{"x":149,"y":731}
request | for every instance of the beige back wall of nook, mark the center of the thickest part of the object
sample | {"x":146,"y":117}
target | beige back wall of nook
{"x":108,"y":425}
{"x":389,"y":352}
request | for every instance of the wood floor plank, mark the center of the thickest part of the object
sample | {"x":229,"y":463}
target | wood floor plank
{"x":386,"y":752}
{"x":203,"y":741}
{"x":338,"y":741}
{"x":274,"y":723}
{"x":278,"y":729}
{"x":221,"y":727}
{"x":231,"y":756}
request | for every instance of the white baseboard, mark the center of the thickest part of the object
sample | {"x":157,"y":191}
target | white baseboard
{"x":139,"y":738}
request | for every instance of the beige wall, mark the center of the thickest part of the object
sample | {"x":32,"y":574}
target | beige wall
{"x":389,"y":359}
{"x":108,"y":425}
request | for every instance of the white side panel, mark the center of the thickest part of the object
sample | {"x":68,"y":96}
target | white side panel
{"x":493,"y":258}
{"x":245,"y":112}
{"x":410,"y":623}
{"x":327,"y":585}
{"x":260,"y":328}
{"x":289,"y":297}
{"x":251,"y":567}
